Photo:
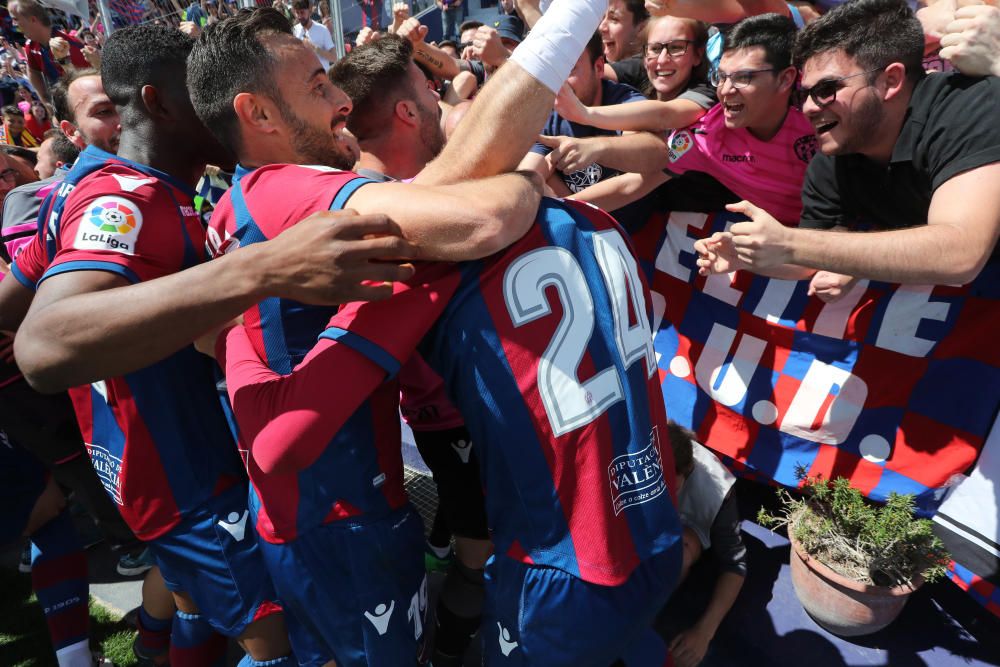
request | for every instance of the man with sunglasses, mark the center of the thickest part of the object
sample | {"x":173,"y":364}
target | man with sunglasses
{"x":915,"y":158}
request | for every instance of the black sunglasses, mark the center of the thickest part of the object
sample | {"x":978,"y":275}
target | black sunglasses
{"x":824,"y":93}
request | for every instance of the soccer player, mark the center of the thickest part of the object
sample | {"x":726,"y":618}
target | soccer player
{"x":349,"y":505}
{"x":546,"y":350}
{"x":159,"y":437}
{"x":395,"y":117}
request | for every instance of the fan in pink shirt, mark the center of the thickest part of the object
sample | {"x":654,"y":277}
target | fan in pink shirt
{"x":754,"y":142}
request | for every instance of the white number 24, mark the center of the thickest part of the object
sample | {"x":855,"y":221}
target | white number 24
{"x":568,"y":402}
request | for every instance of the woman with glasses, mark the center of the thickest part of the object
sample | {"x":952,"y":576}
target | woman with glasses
{"x":673,"y":55}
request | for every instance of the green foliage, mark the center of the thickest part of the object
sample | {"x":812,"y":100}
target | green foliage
{"x":24,"y":638}
{"x":883,"y":545}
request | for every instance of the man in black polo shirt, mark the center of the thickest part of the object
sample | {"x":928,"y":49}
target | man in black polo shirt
{"x":914,"y":158}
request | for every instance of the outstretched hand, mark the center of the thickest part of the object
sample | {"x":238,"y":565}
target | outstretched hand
{"x":761,"y":242}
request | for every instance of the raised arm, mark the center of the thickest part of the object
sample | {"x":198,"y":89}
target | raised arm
{"x":518,"y":97}
{"x":62,"y":343}
{"x":651,"y":115}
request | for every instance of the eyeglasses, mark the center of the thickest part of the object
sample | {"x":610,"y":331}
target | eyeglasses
{"x":739,"y":79}
{"x":824,"y":93}
{"x":675,"y":48}
{"x":9,"y":174}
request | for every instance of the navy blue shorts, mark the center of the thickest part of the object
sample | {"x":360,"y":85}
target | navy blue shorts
{"x":22,"y":480}
{"x":358,"y":586}
{"x":537,"y":615}
{"x":213,"y":556}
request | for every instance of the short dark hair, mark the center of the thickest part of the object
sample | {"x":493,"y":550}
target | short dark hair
{"x":448,"y":42}
{"x":33,"y":8}
{"x":469,"y":25}
{"x":141,"y":55}
{"x":876,"y":33}
{"x":60,"y":92}
{"x":11,"y":110}
{"x":21,"y":152}
{"x":63,"y":149}
{"x":234,"y":47}
{"x":302,"y":4}
{"x":595,"y":47}
{"x":681,"y":440}
{"x":637,"y":8}
{"x":375,"y":76}
{"x":772,"y":32}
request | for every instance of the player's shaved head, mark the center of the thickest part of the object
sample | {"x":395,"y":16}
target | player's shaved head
{"x":143,"y":55}
{"x":236,"y":47}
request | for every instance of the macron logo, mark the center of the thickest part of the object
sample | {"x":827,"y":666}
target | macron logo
{"x":131,"y":183}
{"x":463,"y":449}
{"x":236,"y":525}
{"x":380,"y":617}
{"x":506,"y":643}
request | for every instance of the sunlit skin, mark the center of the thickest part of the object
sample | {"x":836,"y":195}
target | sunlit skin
{"x":670,"y":76}
{"x":856,"y":121}
{"x":585,"y":80}
{"x":618,"y":32}
{"x":96,"y":118}
{"x":760,"y":106}
{"x":319,"y":109}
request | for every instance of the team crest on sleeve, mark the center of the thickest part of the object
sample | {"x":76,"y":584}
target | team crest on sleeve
{"x":109,"y":223}
{"x":680,"y":144}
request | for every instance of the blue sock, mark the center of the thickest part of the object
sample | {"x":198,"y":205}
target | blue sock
{"x":59,"y":578}
{"x":193,"y":642}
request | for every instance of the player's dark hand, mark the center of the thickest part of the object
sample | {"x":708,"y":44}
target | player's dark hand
{"x":336,"y":257}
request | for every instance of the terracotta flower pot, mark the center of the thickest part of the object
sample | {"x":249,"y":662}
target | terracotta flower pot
{"x":843,"y":606}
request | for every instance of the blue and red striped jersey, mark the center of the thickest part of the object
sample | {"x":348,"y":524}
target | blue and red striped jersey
{"x":546,"y":350}
{"x":359,"y":471}
{"x":159,"y":437}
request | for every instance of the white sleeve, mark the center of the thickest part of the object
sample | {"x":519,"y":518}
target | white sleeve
{"x":328,"y":43}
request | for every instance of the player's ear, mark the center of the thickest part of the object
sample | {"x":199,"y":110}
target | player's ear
{"x":406,"y":111}
{"x":256,"y":112}
{"x":73,"y":134}
{"x":153,"y":101}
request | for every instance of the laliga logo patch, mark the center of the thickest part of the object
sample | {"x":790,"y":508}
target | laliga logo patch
{"x":463,"y":449}
{"x":506,"y":643}
{"x":380,"y":617}
{"x":235,"y":525}
{"x":110,"y":223}
{"x":680,"y":144}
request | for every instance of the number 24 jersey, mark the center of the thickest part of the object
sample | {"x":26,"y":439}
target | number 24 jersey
{"x":546,"y":350}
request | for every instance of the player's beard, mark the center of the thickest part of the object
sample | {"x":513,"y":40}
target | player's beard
{"x":317,"y":146}
{"x":866,"y":122}
{"x":431,"y":135}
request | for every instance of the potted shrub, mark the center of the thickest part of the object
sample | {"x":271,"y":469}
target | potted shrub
{"x":854,"y":563}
